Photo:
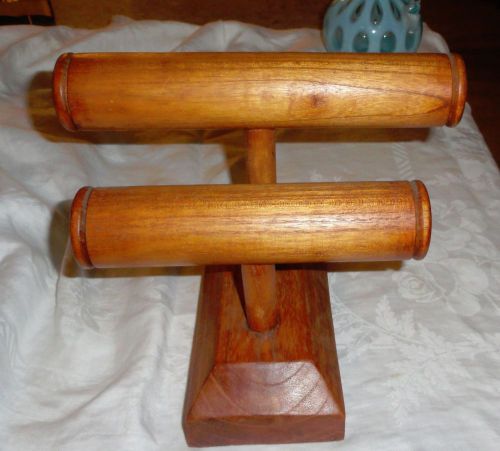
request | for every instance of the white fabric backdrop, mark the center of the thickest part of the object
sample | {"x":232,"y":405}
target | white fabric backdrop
{"x":98,"y":360}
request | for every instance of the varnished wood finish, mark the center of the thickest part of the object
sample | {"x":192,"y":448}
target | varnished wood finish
{"x":472,"y":32}
{"x":459,"y":95}
{"x":227,"y":224}
{"x":123,"y":91}
{"x":261,"y":156}
{"x":78,"y":232}
{"x":279,"y":387}
{"x":259,"y":287}
{"x":59,"y":91}
{"x":423,"y":219}
{"x":259,"y":281}
{"x":278,"y":380}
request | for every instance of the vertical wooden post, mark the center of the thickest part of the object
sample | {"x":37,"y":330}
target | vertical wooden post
{"x":259,"y":281}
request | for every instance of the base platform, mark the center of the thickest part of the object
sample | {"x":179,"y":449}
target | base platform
{"x":282,"y":386}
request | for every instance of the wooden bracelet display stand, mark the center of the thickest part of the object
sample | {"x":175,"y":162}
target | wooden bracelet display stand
{"x":264,"y":367}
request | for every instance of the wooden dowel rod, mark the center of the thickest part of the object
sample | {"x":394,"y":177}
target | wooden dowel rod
{"x":260,"y":300}
{"x":261,"y":156}
{"x":250,"y":224}
{"x":259,"y":281}
{"x":131,"y":91}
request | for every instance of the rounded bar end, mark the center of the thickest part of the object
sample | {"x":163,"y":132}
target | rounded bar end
{"x":60,"y":91}
{"x":459,"y":90}
{"x":78,"y":217}
{"x":423,"y":219}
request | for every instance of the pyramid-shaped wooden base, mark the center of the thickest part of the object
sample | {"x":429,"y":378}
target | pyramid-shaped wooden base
{"x":279,"y":387}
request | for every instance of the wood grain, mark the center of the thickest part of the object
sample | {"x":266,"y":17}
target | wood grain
{"x":251,"y":224}
{"x":259,"y":281}
{"x":126,"y":91}
{"x":279,"y":387}
{"x":261,"y":156}
{"x":278,"y":380}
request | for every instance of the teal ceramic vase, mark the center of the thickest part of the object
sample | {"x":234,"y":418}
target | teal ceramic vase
{"x":373,"y":26}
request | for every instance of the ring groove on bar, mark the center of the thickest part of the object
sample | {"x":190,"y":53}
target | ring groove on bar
{"x":78,"y":229}
{"x":423,"y":219}
{"x":60,"y":91}
{"x":459,"y":90}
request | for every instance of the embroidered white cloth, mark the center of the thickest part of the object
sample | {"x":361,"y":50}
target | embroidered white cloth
{"x":98,"y":360}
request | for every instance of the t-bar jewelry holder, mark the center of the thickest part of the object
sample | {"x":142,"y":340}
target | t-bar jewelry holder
{"x":264,"y":366}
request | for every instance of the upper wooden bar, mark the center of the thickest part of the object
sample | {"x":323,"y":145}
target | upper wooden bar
{"x":130,"y":91}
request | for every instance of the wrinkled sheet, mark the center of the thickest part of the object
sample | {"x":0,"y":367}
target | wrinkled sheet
{"x":98,"y":360}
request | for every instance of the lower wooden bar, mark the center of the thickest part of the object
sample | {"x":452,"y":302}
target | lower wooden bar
{"x":282,"y":386}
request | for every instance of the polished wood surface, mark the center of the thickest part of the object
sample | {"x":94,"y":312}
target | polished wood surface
{"x":277,"y":387}
{"x":264,"y":366}
{"x":124,"y":91}
{"x":472,"y":33}
{"x":261,"y":156}
{"x":78,"y":232}
{"x":259,"y":281}
{"x":249,"y":224}
{"x":259,"y":286}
